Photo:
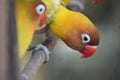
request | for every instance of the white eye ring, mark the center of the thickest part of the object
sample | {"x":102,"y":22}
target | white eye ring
{"x":85,"y":38}
{"x":40,"y":9}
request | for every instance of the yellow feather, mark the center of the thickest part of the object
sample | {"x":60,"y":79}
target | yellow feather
{"x":65,"y":20}
{"x":66,"y":1}
{"x":25,"y":28}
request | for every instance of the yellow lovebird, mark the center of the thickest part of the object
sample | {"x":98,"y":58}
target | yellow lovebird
{"x":30,"y":14}
{"x":76,"y":30}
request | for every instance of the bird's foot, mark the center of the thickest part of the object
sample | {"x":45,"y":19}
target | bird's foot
{"x":41,"y":47}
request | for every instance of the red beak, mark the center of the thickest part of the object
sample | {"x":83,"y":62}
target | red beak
{"x":43,"y":19}
{"x":87,"y":51}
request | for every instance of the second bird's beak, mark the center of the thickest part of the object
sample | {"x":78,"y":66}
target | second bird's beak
{"x":43,"y":19}
{"x":87,"y":51}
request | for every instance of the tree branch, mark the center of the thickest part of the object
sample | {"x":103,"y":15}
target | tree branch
{"x":76,"y":5}
{"x":38,"y":58}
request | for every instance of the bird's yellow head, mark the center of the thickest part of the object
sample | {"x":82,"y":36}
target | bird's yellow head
{"x":76,"y":30}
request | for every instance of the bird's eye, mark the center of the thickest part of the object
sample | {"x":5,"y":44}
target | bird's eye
{"x":85,"y":38}
{"x":40,"y":9}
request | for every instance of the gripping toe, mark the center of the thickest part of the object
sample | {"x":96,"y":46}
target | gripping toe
{"x":45,"y":49}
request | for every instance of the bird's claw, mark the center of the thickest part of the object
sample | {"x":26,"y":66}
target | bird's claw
{"x":45,"y":49}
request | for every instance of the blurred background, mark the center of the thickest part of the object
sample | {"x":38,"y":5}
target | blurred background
{"x":66,"y":64}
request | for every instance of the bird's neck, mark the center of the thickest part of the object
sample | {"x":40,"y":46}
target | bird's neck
{"x":59,"y":25}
